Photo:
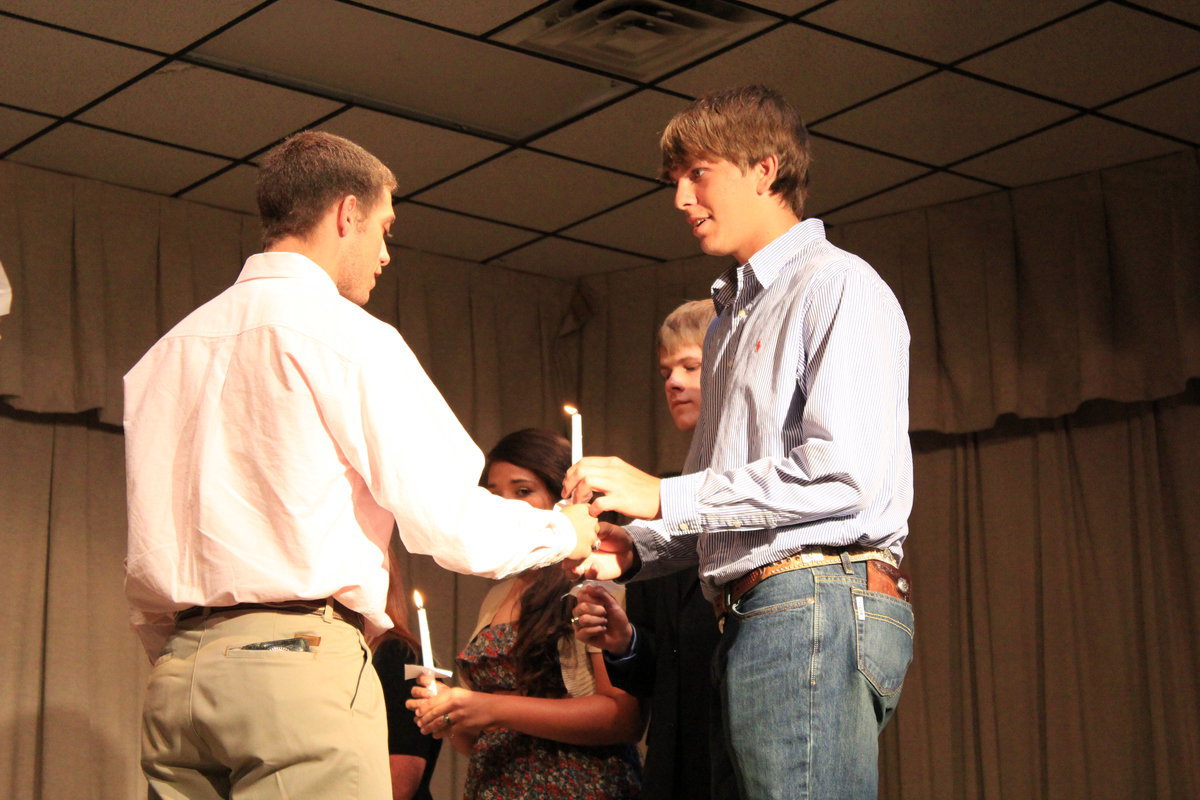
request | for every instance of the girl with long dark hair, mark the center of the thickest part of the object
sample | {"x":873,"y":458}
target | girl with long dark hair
{"x":538,"y":716}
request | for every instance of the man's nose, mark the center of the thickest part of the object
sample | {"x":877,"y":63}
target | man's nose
{"x":684,"y":196}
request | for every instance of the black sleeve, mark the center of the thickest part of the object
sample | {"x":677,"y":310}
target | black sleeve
{"x":636,"y":673}
{"x":404,"y":737}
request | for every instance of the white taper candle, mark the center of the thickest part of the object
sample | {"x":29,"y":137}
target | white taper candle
{"x":423,"y":629}
{"x":576,"y":433}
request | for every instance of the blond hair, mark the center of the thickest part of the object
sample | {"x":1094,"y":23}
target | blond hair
{"x":686,"y":325}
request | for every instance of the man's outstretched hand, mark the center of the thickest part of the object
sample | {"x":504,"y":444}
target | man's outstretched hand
{"x":614,"y":556}
{"x":624,"y":488}
{"x":585,"y":532}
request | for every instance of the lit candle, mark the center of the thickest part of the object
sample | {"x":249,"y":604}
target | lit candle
{"x":426,"y":647}
{"x":576,"y":433}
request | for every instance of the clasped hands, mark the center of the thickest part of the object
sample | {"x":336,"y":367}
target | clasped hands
{"x":451,"y":710}
{"x":609,"y":484}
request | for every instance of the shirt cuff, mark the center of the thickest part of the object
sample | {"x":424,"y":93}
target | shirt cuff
{"x":608,"y":659}
{"x":680,"y":508}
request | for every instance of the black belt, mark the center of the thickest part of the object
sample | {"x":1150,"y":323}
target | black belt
{"x":294,"y":606}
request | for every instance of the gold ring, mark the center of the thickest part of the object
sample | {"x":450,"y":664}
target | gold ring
{"x":574,"y":620}
{"x":595,"y":545}
{"x":446,"y":719}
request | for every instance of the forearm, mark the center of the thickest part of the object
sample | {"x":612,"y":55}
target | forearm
{"x":634,"y":671}
{"x":597,"y":719}
{"x":407,"y":772}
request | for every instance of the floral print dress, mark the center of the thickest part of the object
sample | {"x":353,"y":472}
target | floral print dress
{"x":507,"y":765}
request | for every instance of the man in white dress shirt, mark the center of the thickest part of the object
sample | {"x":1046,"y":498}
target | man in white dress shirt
{"x":273,"y":439}
{"x":796,"y":491}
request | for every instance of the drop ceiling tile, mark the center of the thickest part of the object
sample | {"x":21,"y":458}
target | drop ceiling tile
{"x":122,"y":160}
{"x":787,"y":6}
{"x":476,"y":18}
{"x":623,"y":136}
{"x":558,"y":258}
{"x":80,"y":70}
{"x":1186,"y":10}
{"x":534,"y":190}
{"x":941,"y":30}
{"x":942,"y":118}
{"x":933,"y":190}
{"x":1171,"y":108}
{"x":1077,"y":146}
{"x":650,"y":226}
{"x":1073,"y":60}
{"x":209,"y":110}
{"x":445,"y":233}
{"x":841,"y":174}
{"x":419,"y":154}
{"x":818,"y":73}
{"x":16,"y":126}
{"x":165,"y":25}
{"x":235,"y":190}
{"x":437,"y":75}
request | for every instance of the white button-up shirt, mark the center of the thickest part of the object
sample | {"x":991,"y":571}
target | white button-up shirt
{"x":272,"y":439}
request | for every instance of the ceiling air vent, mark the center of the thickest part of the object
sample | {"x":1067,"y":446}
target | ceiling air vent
{"x":640,"y":39}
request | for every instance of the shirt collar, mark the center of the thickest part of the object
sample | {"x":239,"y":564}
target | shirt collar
{"x":285,"y":265}
{"x":767,"y":264}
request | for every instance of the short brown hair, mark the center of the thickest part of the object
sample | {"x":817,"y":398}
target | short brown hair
{"x":742,"y":126}
{"x":302,"y":176}
{"x":686,"y":325}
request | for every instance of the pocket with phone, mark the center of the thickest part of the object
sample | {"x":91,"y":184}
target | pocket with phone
{"x":296,"y":644}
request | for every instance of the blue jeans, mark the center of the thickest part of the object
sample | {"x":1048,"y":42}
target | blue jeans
{"x":810,"y":668}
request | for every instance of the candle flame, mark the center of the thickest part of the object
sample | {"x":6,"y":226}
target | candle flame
{"x":572,"y":410}
{"x":417,"y":599}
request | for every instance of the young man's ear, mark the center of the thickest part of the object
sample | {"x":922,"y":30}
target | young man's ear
{"x":347,"y":208}
{"x":766,"y":169}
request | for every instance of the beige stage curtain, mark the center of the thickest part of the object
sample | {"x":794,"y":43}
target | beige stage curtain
{"x":100,"y":272}
{"x":1054,"y":567}
{"x":1032,"y":301}
{"x":1029,"y":302}
{"x":71,"y":672}
{"x":1053,"y":563}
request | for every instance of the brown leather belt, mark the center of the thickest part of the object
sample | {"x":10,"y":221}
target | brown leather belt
{"x":295,"y":606}
{"x":883,"y":573}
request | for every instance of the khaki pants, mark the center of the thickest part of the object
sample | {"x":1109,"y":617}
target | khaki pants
{"x":224,"y":722}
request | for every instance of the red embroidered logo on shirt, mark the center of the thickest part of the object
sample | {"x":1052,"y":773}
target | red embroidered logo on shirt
{"x":758,"y":345}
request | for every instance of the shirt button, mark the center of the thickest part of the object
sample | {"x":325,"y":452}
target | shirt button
{"x":683,"y":526}
{"x":742,"y":314}
{"x":737,"y":524}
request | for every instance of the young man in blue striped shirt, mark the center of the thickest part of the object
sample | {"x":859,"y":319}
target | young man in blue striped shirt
{"x":797,"y":489}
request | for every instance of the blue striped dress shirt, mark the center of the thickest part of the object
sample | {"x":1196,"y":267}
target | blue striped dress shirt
{"x":803,"y":430}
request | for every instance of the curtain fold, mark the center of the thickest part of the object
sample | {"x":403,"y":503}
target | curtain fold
{"x":1058,"y":626}
{"x":1054,"y":568}
{"x":100,"y":272}
{"x":1036,"y":300}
